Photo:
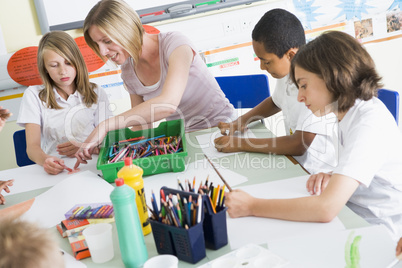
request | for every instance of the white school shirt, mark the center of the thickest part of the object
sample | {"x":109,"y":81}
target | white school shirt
{"x":369,"y":152}
{"x":321,"y":156}
{"x":74,"y":122}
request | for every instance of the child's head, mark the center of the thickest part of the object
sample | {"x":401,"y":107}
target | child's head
{"x":24,"y":245}
{"x":119,"y":23}
{"x":345,"y":69}
{"x":58,"y":50}
{"x":276,"y":38}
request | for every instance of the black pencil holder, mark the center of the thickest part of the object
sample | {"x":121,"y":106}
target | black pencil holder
{"x":187,"y":244}
{"x":214,"y":225}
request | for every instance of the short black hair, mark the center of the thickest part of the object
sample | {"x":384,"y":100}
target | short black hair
{"x":279,"y":30}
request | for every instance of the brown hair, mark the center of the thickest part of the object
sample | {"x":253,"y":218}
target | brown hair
{"x":24,"y":245}
{"x":63,"y":44}
{"x":117,"y":20}
{"x":345,"y":66}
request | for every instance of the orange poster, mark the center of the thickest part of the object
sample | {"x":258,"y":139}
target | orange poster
{"x":22,"y":67}
{"x":92,"y":60}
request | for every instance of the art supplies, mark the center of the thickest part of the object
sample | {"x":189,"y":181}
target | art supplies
{"x":132,"y":176}
{"x":90,"y":211}
{"x":177,"y":229}
{"x":190,"y":219}
{"x":141,"y":148}
{"x":216,"y":194}
{"x":131,"y":239}
{"x":220,"y":176}
{"x":155,"y":150}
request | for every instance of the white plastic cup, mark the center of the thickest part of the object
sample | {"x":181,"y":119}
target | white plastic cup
{"x":165,"y":261}
{"x":100,"y":242}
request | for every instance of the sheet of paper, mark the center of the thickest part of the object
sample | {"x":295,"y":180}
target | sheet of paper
{"x":251,"y":256}
{"x":49,"y":208}
{"x":376,"y":248}
{"x":35,"y":177}
{"x":206,"y":142}
{"x":262,"y":230}
{"x":199,"y":169}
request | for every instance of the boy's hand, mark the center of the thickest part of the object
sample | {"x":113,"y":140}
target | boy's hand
{"x":228,"y":144}
{"x":68,"y":149}
{"x":4,"y":186}
{"x":317,"y":183}
{"x":231,"y":127}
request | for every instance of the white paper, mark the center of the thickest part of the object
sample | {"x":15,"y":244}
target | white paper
{"x":250,"y":256}
{"x":34,"y":177}
{"x":262,"y":230}
{"x":206,"y":142}
{"x":376,"y":248}
{"x":49,"y":208}
{"x":199,"y":169}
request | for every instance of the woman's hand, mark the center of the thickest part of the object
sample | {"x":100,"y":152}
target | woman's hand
{"x":84,"y":153}
{"x":68,"y":149}
{"x":317,"y":183}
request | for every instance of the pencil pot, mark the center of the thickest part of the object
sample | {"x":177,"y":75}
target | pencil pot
{"x":187,"y":244}
{"x":214,"y":225}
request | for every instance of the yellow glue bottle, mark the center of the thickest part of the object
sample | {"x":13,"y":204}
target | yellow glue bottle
{"x":132,"y":176}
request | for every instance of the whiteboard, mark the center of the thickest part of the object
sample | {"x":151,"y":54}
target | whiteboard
{"x":77,"y":10}
{"x":67,"y":15}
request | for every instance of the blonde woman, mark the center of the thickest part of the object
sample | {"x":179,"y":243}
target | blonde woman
{"x":163,"y":73}
{"x":59,"y":114}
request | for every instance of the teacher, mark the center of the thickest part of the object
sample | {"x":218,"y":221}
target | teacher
{"x":163,"y":73}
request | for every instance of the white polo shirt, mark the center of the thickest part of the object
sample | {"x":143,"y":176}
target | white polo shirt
{"x":321,"y":156}
{"x":370,"y":152}
{"x":74,"y":122}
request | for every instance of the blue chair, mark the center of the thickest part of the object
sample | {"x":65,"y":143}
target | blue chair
{"x":391,"y":99}
{"x":20,"y":146}
{"x":245,"y":91}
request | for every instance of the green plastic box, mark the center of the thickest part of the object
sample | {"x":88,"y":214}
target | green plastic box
{"x":152,"y":164}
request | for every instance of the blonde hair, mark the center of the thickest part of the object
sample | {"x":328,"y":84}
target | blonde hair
{"x":117,"y":20}
{"x":64,"y":45}
{"x":24,"y":245}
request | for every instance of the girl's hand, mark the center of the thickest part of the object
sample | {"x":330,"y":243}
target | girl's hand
{"x":68,"y":149}
{"x":4,"y":186}
{"x":239,"y":203}
{"x":228,"y":144}
{"x":4,"y":115}
{"x":53,"y":165}
{"x":317,"y":183}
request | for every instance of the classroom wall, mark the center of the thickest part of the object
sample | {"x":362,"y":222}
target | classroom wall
{"x":20,"y":28}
